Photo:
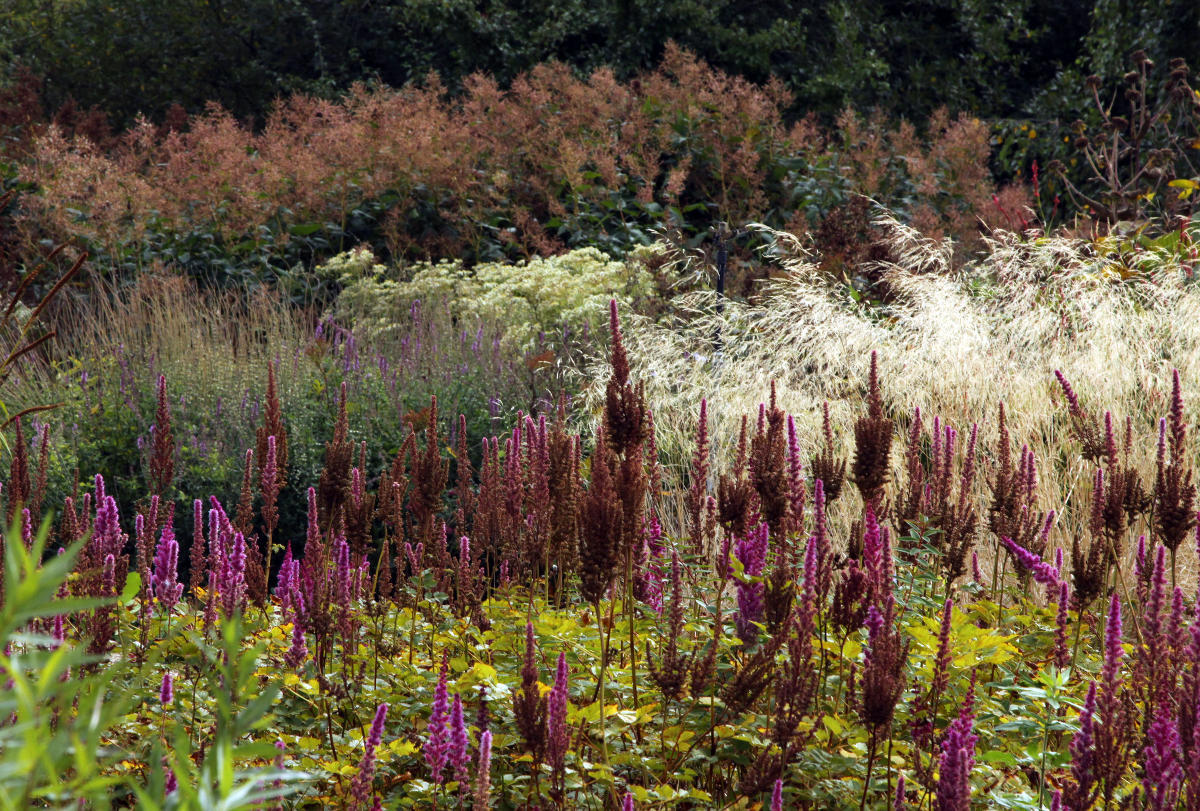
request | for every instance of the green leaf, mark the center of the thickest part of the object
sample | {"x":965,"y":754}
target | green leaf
{"x":133,"y":585}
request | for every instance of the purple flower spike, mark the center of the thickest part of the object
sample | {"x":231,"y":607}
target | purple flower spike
{"x":437,"y":748}
{"x":360,"y":787}
{"x":1164,"y":775}
{"x":459,"y":749}
{"x":899,"y":804}
{"x":483,"y":778}
{"x":777,"y":796}
{"x":627,"y":803}
{"x":556,"y":716}
{"x":1042,"y":572}
{"x":166,"y":693}
{"x":164,"y":579}
{"x":752,"y":552}
{"x":958,"y":759}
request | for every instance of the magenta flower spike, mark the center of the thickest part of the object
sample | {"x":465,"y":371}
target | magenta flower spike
{"x":556,"y":716}
{"x":958,"y":759}
{"x":627,"y":802}
{"x":360,"y":787}
{"x":437,"y":747}
{"x":483,"y":776}
{"x":459,"y":754}
{"x":1164,"y":775}
{"x":164,"y":578}
{"x":166,"y":693}
{"x":777,"y":796}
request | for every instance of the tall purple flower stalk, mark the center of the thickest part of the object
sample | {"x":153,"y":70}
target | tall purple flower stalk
{"x":1164,"y":775}
{"x":437,"y":747}
{"x":958,"y":759}
{"x":164,"y":579}
{"x":752,"y":552}
{"x":483,"y":776}
{"x":777,"y":796}
{"x":360,"y":787}
{"x":556,"y":718}
{"x":458,"y":751}
{"x":1043,"y":572}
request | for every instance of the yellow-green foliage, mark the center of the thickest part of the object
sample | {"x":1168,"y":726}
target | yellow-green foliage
{"x":540,"y":295}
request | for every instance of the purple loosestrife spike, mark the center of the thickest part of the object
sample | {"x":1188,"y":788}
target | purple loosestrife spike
{"x":627,"y":803}
{"x":483,"y":777}
{"x":166,"y":693}
{"x":438,"y":745}
{"x":459,"y":754}
{"x":1163,"y":774}
{"x":777,"y":796}
{"x":556,"y":717}
{"x":360,"y":787}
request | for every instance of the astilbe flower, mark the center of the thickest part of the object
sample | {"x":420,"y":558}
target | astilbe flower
{"x":1083,"y":425}
{"x":1082,"y":788}
{"x":272,"y":427}
{"x":1062,"y":656}
{"x":297,"y":654}
{"x":883,"y":671}
{"x":361,"y":785}
{"x":196,"y":575}
{"x":458,"y":753}
{"x":1163,"y":773}
{"x":872,"y":442}
{"x":648,"y":577}
{"x":777,"y":796}
{"x":557,"y":735}
{"x":924,"y":713}
{"x":627,"y":802}
{"x":437,"y":747}
{"x":1174,"y":491}
{"x":1044,"y":573}
{"x":162,"y":458}
{"x":797,"y":492}
{"x":166,"y":563}
{"x":483,"y":776}
{"x":1153,"y":669}
{"x":18,"y":486}
{"x":270,"y":482}
{"x":751,"y":550}
{"x":166,"y":693}
{"x":671,"y":671}
{"x":529,"y":705}
{"x":1113,"y":704}
{"x":603,"y":527}
{"x":825,"y":465}
{"x":958,"y":759}
{"x":768,"y":465}
{"x":900,"y":801}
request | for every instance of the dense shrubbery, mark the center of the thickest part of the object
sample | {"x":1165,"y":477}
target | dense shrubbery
{"x":552,"y":163}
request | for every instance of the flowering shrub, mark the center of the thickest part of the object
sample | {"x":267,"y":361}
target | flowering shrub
{"x":556,"y":295}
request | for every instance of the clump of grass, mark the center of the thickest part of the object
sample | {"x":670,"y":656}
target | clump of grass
{"x":955,"y":344}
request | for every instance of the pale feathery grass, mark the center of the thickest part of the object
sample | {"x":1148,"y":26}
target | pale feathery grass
{"x":954,"y":344}
{"x":209,"y":345}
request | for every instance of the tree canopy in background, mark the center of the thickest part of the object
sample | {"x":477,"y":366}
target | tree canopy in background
{"x":1018,"y":58}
